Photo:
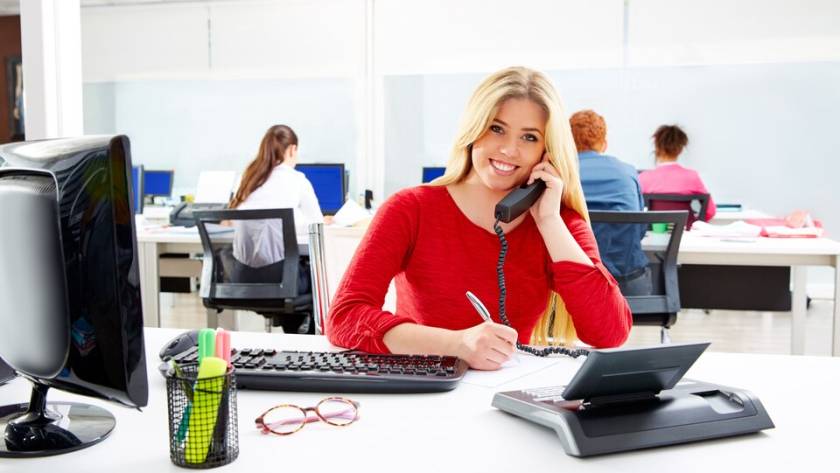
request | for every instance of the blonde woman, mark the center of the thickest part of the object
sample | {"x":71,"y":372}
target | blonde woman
{"x":438,"y":241}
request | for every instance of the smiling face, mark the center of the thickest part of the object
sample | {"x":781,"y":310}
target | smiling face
{"x":514,"y":143}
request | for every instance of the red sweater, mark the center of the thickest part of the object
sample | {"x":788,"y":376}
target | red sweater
{"x":420,"y":237}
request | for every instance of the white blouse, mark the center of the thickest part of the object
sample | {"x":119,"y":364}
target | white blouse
{"x":259,"y":243}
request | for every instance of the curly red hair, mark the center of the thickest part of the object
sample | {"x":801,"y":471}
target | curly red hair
{"x":589,"y":130}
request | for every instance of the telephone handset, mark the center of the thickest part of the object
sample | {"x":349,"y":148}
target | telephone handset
{"x":519,"y":200}
{"x":511,"y":206}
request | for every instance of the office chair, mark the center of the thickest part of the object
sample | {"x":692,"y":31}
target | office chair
{"x":253,"y":263}
{"x":695,"y":204}
{"x":660,"y":308}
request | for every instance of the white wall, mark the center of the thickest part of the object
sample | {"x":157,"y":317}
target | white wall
{"x":195,"y":125}
{"x":748,"y":78}
{"x":120,"y":43}
{"x":444,"y":36}
{"x":195,"y":86}
{"x":293,"y":38}
{"x":760,"y":134}
{"x":669,"y":32}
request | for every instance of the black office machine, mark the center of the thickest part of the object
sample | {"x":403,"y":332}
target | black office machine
{"x":629,"y":399}
{"x":182,"y":214}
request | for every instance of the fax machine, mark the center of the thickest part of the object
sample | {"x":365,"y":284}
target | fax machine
{"x":627,"y":399}
{"x":182,"y":214}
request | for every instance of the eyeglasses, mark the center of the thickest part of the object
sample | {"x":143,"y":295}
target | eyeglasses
{"x":287,"y":419}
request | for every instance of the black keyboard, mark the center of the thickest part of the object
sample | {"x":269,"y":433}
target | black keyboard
{"x":348,"y":371}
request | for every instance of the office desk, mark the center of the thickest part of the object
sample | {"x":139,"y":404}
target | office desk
{"x":459,"y":431}
{"x":723,"y":217}
{"x":155,"y":241}
{"x":797,"y":253}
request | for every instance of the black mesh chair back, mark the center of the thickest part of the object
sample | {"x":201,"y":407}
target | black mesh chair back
{"x":252,"y":262}
{"x":695,"y":204}
{"x":659,"y":308}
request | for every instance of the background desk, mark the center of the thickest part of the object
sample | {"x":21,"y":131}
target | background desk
{"x":460,"y":432}
{"x":723,"y":217}
{"x":797,"y":253}
{"x":153,"y":242}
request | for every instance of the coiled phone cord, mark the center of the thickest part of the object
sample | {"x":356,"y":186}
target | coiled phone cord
{"x":500,"y":273}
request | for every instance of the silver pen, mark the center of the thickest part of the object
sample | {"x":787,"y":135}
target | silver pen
{"x":479,"y":307}
{"x":485,"y":314}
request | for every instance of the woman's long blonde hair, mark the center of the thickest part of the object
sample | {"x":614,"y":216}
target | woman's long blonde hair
{"x":555,"y":326}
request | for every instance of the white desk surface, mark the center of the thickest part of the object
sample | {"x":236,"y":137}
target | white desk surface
{"x":459,"y":431}
{"x":189,"y":235}
{"x":168,"y":235}
{"x":724,"y":216}
{"x":759,"y":246}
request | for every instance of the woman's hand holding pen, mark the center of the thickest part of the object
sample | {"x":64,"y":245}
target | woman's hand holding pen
{"x":486,"y":346}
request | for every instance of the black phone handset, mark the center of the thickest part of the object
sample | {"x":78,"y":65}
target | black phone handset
{"x":511,"y":206}
{"x":519,"y":200}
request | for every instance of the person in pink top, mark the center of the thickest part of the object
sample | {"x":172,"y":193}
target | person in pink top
{"x":670,"y":177}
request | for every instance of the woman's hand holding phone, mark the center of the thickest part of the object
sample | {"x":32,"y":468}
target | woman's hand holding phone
{"x":548,"y":205}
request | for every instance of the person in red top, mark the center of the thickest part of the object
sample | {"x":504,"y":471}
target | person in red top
{"x":437,"y":242}
{"x":669,"y":177}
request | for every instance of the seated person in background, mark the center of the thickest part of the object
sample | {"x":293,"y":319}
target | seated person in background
{"x":669,"y":177}
{"x":610,"y":184}
{"x":271,"y":182}
{"x":437,"y":241}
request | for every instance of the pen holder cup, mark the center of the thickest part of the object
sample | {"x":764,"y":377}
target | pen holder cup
{"x":659,"y":227}
{"x":203,"y":427}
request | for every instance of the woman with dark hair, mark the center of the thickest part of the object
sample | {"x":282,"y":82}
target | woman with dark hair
{"x":669,"y":177}
{"x":271,"y":182}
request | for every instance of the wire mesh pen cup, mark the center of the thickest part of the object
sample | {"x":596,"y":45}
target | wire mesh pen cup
{"x":203,"y":426}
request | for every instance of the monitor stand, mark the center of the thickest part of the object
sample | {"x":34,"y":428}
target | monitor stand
{"x":40,"y":428}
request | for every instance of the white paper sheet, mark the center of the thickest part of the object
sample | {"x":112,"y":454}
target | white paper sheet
{"x":523,"y":365}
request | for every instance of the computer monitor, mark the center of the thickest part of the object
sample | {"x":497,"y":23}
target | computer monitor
{"x":328,"y":181}
{"x":137,"y":188}
{"x":157,"y":183}
{"x":70,"y":307}
{"x":431,"y":173}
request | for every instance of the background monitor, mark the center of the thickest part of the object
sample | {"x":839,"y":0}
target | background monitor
{"x":328,"y":181}
{"x":70,"y":307}
{"x":137,"y":188}
{"x":432,"y":173}
{"x":157,"y":183}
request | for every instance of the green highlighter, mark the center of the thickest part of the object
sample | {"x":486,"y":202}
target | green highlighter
{"x":205,"y":407}
{"x":206,"y":344}
{"x":206,"y":347}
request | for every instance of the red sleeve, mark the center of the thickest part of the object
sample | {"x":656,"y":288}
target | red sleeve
{"x":356,"y":319}
{"x":600,"y":313}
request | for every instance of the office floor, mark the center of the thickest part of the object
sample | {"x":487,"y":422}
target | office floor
{"x":729,"y":331}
